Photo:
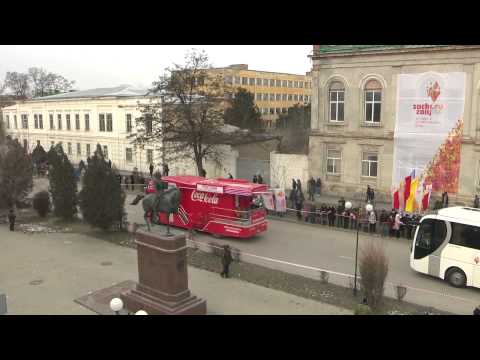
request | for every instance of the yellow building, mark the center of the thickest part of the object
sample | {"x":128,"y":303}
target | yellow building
{"x":273,"y":92}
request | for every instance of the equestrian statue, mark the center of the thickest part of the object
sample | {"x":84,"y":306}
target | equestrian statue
{"x":164,"y":200}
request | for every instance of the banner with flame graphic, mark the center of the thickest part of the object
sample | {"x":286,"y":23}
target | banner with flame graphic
{"x":428,"y":133}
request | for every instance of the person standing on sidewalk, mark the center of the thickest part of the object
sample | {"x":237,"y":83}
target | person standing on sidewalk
{"x":372,"y":219}
{"x":11,"y":219}
{"x":476,"y":202}
{"x":151,"y":170}
{"x":299,"y":199}
{"x":226,"y":261}
{"x":311,"y":189}
{"x":318,"y":186}
{"x":445,"y":199}
{"x":396,"y":225}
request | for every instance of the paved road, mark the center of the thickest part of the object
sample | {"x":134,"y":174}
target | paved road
{"x":42,"y":274}
{"x":334,"y":250}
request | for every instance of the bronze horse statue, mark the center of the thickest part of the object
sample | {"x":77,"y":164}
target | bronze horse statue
{"x":164,"y":201}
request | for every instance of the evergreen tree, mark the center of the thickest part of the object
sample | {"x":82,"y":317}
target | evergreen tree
{"x":243,"y":112}
{"x":16,"y":172}
{"x":101,"y":199}
{"x":39,"y":155}
{"x":63,"y":186}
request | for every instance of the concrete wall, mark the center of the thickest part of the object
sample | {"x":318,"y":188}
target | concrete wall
{"x":285,"y":167}
{"x":353,"y":136}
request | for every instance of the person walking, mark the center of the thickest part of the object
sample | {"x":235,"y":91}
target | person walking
{"x":226,"y":261}
{"x":319,"y":186}
{"x":299,"y":185}
{"x":255,"y":179}
{"x":260,"y":179}
{"x":132,"y":181}
{"x":294,"y":184}
{"x":230,"y":176}
{"x":11,"y":219}
{"x":166,"y":170}
{"x":299,"y":199}
{"x":203,"y":173}
{"x":396,"y":225}
{"x":151,"y":170}
{"x":476,"y":202}
{"x":311,"y":189}
{"x":372,"y":219}
{"x":445,"y":199}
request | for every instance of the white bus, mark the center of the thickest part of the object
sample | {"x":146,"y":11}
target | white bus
{"x":447,"y":245}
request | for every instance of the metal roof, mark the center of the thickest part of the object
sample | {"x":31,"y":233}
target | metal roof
{"x":338,"y":49}
{"x":117,"y":91}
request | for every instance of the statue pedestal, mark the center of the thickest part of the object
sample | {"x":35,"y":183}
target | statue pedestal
{"x":162,"y":287}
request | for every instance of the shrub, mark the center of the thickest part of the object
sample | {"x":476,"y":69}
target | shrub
{"x":373,"y":266}
{"x":362,"y":309}
{"x":41,"y":203}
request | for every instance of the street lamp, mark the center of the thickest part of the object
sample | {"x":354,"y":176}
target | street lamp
{"x":368,"y":207}
{"x":141,"y":312}
{"x":116,"y":304}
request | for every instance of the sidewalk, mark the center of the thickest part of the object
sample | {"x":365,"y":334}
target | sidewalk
{"x":44,"y":273}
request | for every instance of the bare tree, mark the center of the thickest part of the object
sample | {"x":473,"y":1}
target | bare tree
{"x":46,"y":83}
{"x":19,"y":83}
{"x":186,"y":114}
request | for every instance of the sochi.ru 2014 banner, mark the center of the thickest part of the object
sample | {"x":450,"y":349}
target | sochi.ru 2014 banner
{"x":428,"y":134}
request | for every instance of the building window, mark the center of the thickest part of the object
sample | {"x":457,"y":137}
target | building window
{"x":77,"y":121}
{"x":337,"y":101}
{"x":105,"y":151}
{"x":15,"y":121}
{"x":369,"y":164}
{"x":272,"y":82}
{"x":284,"y":83}
{"x":290,"y":83}
{"x":265,"y":82}
{"x":236,"y":79}
{"x":50,"y":116}
{"x":87,"y":149}
{"x":272,"y":111}
{"x":295,"y":84}
{"x":278,"y":110}
{"x":25,"y":144}
{"x":334,"y":161}
{"x":278,"y":83}
{"x":40,"y":121}
{"x":24,"y":121}
{"x":251,"y":81}
{"x":278,"y":97}
{"x":7,"y":117}
{"x":290,"y":97}
{"x":69,"y":146}
{"x":307,"y":98}
{"x":284,"y":97}
{"x":300,"y":84}
{"x":128,"y":154}
{"x":59,"y":121}
{"x":109,"y":123}
{"x":35,"y":121}
{"x":272,"y":97}
{"x":129,"y":123}
{"x":101,"y":122}
{"x":79,"y":149}
{"x":244,"y":81}
{"x":259,"y":82}
{"x":265,"y":97}
{"x":284,"y":110}
{"x":300,"y":97}
{"x":295,"y":97}
{"x":259,"y":97}
{"x":87,"y":122}
{"x":373,"y":101}
{"x":150,"y":156}
{"x":67,"y":119}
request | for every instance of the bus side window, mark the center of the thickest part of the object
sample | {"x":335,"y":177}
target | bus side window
{"x":465,"y":235}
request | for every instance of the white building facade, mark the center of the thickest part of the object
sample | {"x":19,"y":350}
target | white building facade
{"x":81,"y":120}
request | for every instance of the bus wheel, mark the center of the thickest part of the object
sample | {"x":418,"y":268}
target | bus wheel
{"x":456,"y":278}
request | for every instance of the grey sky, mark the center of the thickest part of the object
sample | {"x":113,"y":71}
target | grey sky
{"x":109,"y":65}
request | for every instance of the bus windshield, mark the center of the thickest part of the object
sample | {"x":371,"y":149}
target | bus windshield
{"x":430,"y":236}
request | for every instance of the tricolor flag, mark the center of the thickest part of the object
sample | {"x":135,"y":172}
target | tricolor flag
{"x":396,"y":200}
{"x":426,"y":197}
{"x":410,"y":203}
{"x":408,"y":182}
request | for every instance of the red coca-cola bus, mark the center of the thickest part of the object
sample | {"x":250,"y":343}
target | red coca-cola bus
{"x":225,"y":207}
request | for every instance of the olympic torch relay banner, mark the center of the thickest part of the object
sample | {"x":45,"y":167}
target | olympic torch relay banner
{"x":428,"y":134}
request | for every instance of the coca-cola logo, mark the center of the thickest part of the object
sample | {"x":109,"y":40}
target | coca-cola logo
{"x":205,"y":197}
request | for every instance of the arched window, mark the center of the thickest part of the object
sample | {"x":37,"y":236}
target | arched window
{"x":337,"y":102}
{"x":373,"y":102}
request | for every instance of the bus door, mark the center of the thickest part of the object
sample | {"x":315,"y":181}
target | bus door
{"x":429,"y":243}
